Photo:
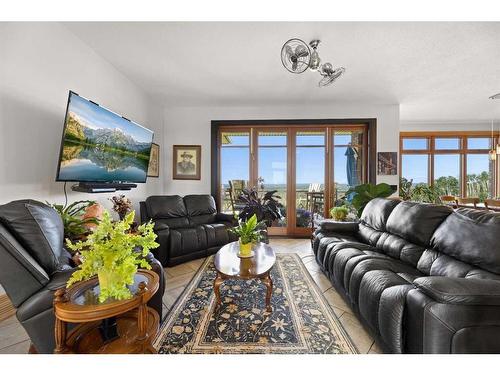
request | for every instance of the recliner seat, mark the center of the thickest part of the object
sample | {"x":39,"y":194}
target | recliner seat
{"x":34,"y":264}
{"x":422,"y":278}
{"x":188,"y":228}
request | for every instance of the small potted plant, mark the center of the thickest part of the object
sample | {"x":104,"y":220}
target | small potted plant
{"x":339,"y":213}
{"x":249,"y":232}
{"x":114,"y":254}
{"x":121,"y":205}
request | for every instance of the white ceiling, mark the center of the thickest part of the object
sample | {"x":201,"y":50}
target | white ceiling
{"x":435,"y":71}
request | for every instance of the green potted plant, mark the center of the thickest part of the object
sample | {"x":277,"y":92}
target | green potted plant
{"x":339,"y":213}
{"x":114,"y":254}
{"x":76,"y":223}
{"x":360,"y":195}
{"x":249,"y":232}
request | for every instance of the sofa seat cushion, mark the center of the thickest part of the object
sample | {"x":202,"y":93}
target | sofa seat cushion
{"x":187,"y":240}
{"x":326,"y":244}
{"x":382,"y":300}
{"x":375,"y":264}
{"x":217,"y":234}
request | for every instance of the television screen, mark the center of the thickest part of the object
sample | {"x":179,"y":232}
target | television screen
{"x":100,"y":146}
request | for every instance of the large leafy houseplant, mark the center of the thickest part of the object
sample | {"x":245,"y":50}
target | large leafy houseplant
{"x":249,"y":232}
{"x":114,"y":254}
{"x":362,"y":194}
{"x":72,"y":215}
{"x":266,"y":208}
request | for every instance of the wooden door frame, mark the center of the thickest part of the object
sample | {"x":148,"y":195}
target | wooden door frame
{"x":235,"y":125}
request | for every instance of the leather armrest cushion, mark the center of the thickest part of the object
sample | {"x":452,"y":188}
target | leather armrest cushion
{"x":460,"y":291}
{"x":338,"y":226}
{"x":226,"y":217}
{"x":160,"y":226}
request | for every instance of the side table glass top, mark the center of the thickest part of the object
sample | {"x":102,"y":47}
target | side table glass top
{"x":89,"y":294}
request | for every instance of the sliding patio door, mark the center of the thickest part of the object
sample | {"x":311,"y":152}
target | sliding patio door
{"x":309,"y":167}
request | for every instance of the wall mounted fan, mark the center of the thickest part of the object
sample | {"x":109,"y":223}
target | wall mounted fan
{"x":297,"y":57}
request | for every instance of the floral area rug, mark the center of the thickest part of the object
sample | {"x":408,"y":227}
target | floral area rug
{"x":301,"y":320}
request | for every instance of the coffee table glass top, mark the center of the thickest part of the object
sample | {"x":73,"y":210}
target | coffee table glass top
{"x":229,"y":264}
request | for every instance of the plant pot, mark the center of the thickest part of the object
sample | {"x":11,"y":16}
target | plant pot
{"x":109,"y":281}
{"x":245,"y":250}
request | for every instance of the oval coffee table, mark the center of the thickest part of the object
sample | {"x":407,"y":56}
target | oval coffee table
{"x":230,"y":266}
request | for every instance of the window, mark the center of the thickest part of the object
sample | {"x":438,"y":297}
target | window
{"x":454,"y":164}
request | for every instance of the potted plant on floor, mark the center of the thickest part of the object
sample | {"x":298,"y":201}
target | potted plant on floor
{"x":114,"y":254}
{"x":249,"y":233}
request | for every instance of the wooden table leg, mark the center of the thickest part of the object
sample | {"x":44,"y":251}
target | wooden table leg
{"x":268,"y":282}
{"x":217,"y":283}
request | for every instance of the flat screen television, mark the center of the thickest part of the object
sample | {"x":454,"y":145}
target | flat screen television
{"x":100,"y":146}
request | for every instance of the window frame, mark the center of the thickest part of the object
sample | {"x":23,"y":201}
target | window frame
{"x":463,"y":151}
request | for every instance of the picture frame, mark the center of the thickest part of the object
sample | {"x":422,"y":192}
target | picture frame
{"x":387,"y":163}
{"x":186,"y":162}
{"x":154,"y":161}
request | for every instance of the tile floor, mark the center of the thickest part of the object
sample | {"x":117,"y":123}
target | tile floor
{"x":13,"y":338}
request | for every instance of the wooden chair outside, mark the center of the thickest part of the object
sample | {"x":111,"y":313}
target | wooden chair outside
{"x":235,"y":189}
{"x":468,"y":201}
{"x":492,"y":204}
{"x":449,"y":199}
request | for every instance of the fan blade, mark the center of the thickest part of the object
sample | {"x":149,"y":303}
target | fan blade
{"x":301,"y":51}
{"x":294,"y":65}
{"x":289,"y":51}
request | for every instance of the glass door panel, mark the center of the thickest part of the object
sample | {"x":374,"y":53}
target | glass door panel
{"x":234,"y":168}
{"x":480,"y":176}
{"x":309,"y":177}
{"x":348,"y":162}
{"x":272,"y":160}
{"x":447,"y":174}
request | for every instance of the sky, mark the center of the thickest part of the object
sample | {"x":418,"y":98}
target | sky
{"x":97,"y":117}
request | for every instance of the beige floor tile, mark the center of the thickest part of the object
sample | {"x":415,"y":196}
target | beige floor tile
{"x":321,"y":281}
{"x":195,"y":264}
{"x":357,"y":332}
{"x":336,"y":300}
{"x":12,"y":334}
{"x":179,"y":270}
{"x":178,"y":281}
{"x":9,"y":321}
{"x":171,"y":296}
{"x":19,"y":348}
{"x":375,"y":349}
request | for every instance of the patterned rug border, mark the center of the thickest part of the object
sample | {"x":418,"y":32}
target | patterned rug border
{"x":199,"y":273}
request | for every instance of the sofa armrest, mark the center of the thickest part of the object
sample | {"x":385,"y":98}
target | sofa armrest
{"x":338,"y":226}
{"x":460,"y":291}
{"x":227,"y":218}
{"x":159,"y":226}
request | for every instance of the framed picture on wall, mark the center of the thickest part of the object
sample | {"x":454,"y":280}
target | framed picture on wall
{"x":154,"y":161}
{"x":387,"y":163}
{"x":186,"y":162}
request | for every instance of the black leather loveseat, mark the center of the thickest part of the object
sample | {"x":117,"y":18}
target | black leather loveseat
{"x":188,"y":228}
{"x":34,"y":264}
{"x":422,"y":278}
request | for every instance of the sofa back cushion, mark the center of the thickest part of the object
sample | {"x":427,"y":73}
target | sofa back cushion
{"x":40,"y":230}
{"x":169,"y":209}
{"x":200,"y":208}
{"x":416,"y":222}
{"x":374,"y":218}
{"x":472,"y":237}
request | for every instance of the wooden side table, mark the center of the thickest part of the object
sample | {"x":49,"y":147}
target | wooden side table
{"x":136,"y":323}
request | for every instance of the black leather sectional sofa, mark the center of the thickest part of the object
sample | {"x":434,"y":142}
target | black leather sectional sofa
{"x":34,"y":264}
{"x":422,"y":278}
{"x":188,"y":228}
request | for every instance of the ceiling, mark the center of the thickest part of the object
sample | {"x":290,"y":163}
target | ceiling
{"x":435,"y":71}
